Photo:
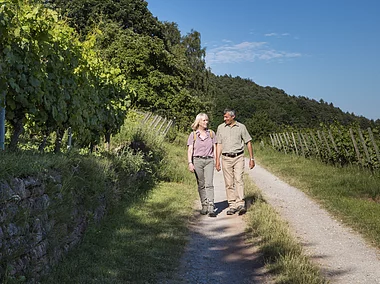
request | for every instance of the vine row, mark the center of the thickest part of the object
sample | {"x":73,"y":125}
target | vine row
{"x":334,"y":144}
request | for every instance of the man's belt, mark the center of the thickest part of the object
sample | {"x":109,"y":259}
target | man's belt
{"x":232,"y":155}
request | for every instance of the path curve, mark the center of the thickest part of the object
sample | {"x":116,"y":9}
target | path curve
{"x":342,"y":254}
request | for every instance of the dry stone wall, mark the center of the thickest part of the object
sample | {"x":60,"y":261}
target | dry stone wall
{"x":39,"y":223}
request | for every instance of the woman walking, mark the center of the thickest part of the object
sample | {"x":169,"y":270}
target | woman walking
{"x":201,"y":159}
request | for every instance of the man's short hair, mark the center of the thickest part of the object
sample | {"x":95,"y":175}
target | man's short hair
{"x":231,"y":111}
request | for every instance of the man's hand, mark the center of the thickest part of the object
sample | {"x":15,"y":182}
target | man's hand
{"x":217,"y":165}
{"x":251,"y":164}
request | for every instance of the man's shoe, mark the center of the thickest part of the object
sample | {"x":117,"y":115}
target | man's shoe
{"x":241,"y":209}
{"x":204,"y":209}
{"x":211,"y":210}
{"x":231,"y":211}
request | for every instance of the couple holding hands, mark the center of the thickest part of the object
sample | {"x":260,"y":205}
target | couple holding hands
{"x":205,"y":148}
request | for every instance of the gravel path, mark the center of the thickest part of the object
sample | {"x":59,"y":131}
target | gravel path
{"x":343,"y":255}
{"x":218,"y":253}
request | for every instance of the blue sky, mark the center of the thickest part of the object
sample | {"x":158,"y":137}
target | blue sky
{"x":321,"y":49}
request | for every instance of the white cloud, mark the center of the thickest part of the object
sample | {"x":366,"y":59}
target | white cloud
{"x":246,"y":52}
{"x":277,"y":35}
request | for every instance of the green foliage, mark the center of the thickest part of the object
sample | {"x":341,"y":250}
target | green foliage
{"x":128,"y":14}
{"x":136,"y":241}
{"x":256,"y":103}
{"x":334,"y":144}
{"x":53,"y":81}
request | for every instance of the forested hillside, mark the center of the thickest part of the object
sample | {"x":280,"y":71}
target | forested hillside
{"x":267,"y":109}
{"x":84,"y":64}
{"x":264,"y":109}
{"x":164,"y":70}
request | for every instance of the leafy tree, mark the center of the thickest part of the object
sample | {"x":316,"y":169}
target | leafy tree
{"x":128,"y":14}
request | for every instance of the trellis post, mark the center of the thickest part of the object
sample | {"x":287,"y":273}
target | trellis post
{"x":374,"y":144}
{"x":364,"y":145}
{"x":356,"y":147}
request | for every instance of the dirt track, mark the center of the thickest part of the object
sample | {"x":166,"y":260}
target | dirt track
{"x":217,"y":251}
{"x":343,"y":255}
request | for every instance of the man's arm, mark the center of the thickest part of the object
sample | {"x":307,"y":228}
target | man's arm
{"x":219,"y":148}
{"x":251,"y":157}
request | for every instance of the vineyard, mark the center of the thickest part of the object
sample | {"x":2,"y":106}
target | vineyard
{"x":50,"y":81}
{"x":334,"y":144}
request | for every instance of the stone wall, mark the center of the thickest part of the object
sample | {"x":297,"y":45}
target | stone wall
{"x":39,"y":222}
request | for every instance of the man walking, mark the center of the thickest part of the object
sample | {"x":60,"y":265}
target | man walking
{"x":231,"y":137}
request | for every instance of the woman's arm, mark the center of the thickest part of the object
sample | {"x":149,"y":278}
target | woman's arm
{"x":190,"y":158}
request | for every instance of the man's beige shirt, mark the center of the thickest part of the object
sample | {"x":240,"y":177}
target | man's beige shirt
{"x":232,"y":137}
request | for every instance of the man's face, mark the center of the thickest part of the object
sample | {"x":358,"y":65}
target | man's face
{"x":228,"y":119}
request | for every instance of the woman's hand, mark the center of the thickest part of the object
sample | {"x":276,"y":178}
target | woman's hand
{"x":191,"y":167}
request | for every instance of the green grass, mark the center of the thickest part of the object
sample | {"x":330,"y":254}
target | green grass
{"x":350,"y":193}
{"x":136,"y":243}
{"x":283,"y":254}
{"x":141,"y":240}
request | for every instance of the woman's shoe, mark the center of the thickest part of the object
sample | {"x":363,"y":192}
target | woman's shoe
{"x":204,"y":209}
{"x":211,"y":210}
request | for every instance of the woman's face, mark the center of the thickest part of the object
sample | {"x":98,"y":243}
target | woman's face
{"x":203,"y":122}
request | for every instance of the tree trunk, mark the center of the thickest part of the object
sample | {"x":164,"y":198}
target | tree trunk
{"x":18,"y":128}
{"x":58,"y":141}
{"x":41,"y":148}
{"x":107,"y":138}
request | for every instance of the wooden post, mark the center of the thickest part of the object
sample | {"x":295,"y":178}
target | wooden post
{"x":345,"y":150}
{"x":327,"y":143}
{"x":305,"y":142}
{"x":314,"y":141}
{"x":157,"y":122}
{"x":153,"y":121}
{"x":356,"y":147}
{"x":286,"y":141}
{"x":295,"y":144}
{"x":279,"y":142}
{"x":333,"y":142}
{"x":275,"y":140}
{"x":290,"y":141}
{"x":374,"y":144}
{"x":364,"y":145}
{"x":147,"y":116}
{"x":283,"y":143}
{"x":167,"y":128}
{"x":271,"y":140}
{"x":301,"y":144}
{"x":162,"y":124}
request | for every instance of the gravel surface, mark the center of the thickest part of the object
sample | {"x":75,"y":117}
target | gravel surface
{"x":217,"y":251}
{"x":343,"y":255}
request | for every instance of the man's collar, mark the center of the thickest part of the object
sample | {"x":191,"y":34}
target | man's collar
{"x":235,"y":123}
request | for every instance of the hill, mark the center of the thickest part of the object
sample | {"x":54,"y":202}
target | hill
{"x":267,"y":109}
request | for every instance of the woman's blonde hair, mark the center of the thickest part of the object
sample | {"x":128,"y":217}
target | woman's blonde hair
{"x":198,"y":118}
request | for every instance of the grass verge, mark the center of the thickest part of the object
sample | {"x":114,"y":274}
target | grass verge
{"x":351,"y":194}
{"x":282,"y":253}
{"x":140,"y":241}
